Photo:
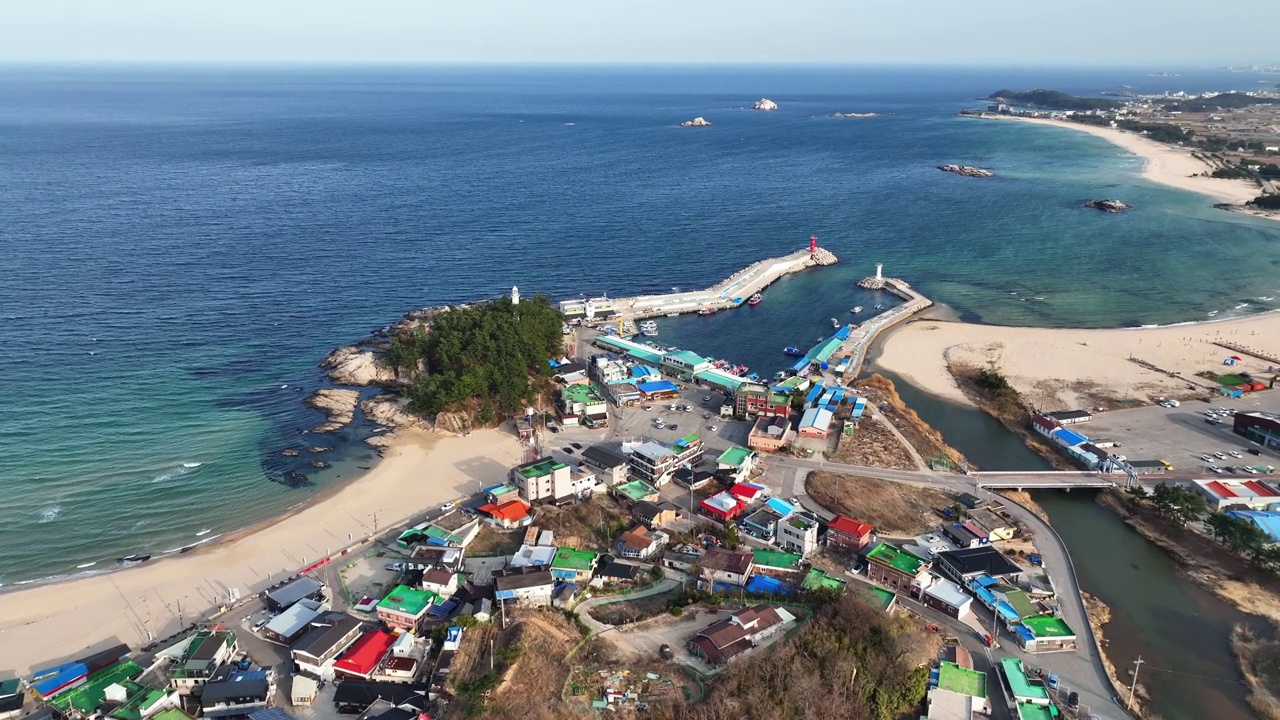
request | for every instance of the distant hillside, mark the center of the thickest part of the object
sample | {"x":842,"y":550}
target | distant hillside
{"x":1052,"y":100}
{"x":1225,"y":101}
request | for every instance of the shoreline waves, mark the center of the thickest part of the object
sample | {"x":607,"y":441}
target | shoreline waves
{"x":42,"y":622}
{"x":1163,"y":164}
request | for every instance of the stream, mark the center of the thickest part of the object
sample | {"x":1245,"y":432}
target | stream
{"x":1179,"y":629}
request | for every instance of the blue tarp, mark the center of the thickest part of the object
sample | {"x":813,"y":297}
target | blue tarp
{"x":837,"y":396}
{"x":843,"y":333}
{"x":765,"y":585}
{"x":1024,"y":633}
{"x":985,"y":596}
{"x":725,"y":588}
{"x":801,"y":365}
{"x":985,"y":581}
{"x":50,"y":685}
{"x":656,"y":387}
{"x":1068,"y":437}
{"x":781,"y":507}
{"x":1007,"y":610}
{"x":814,"y":392}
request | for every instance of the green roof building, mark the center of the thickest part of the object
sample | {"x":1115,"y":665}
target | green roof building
{"x":171,"y":714}
{"x":1020,"y":686}
{"x":86,"y":698}
{"x":894,"y":568}
{"x":573,"y":565}
{"x":817,"y":579}
{"x":777,"y":561}
{"x":1044,"y":633}
{"x":636,"y":491}
{"x":953,"y":678}
{"x":404,"y":607}
{"x":1029,"y":711}
{"x":881,"y":598}
{"x":734,"y":457}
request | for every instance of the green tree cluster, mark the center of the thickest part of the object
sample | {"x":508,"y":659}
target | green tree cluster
{"x":1266,"y":202}
{"x":493,"y":355}
{"x":1244,"y":538}
{"x":1053,"y":100}
{"x":1177,"y":504}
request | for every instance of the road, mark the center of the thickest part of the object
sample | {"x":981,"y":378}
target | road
{"x":1082,"y":670}
{"x":596,"y":627}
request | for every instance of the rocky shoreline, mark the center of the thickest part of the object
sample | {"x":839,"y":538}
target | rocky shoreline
{"x":1109,"y":206}
{"x":338,"y":405}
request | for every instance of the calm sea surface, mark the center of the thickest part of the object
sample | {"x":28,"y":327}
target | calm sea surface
{"x":180,"y":247}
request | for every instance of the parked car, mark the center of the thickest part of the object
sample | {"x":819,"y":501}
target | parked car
{"x":714,"y":428}
{"x":1073,"y":700}
{"x":447,"y":507}
{"x":665,"y":651}
{"x":258,"y":625}
{"x":648,"y":408}
{"x":931,"y":539}
{"x":577,"y":446}
{"x":1220,"y":455}
{"x":1235,"y":454}
{"x":394,"y":566}
{"x":1255,"y":451}
{"x":673,"y":426}
{"x":1215,"y":469}
{"x":567,"y":449}
{"x":794,"y":501}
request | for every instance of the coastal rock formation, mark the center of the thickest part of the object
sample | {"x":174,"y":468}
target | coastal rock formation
{"x":967,"y":171}
{"x":454,"y":423}
{"x":765,"y":104}
{"x":853,"y":115}
{"x":696,"y":122}
{"x":391,"y":411}
{"x":1111,"y":206}
{"x":339,"y":405}
{"x":354,"y":365}
{"x":822,"y":256}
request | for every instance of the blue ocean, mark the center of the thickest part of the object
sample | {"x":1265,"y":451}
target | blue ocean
{"x":181,"y":246}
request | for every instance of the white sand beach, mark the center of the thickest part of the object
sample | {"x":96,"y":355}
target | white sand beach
{"x":420,"y":470}
{"x":1062,"y":368}
{"x":1166,"y":164}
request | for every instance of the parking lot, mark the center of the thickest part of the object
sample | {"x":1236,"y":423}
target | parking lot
{"x":1182,"y":435}
{"x":644,"y":639}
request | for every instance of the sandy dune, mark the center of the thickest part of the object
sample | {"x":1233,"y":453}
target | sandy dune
{"x":419,"y":470}
{"x":1062,"y":368}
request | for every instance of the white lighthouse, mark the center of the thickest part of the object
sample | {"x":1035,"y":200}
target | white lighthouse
{"x":879,"y":273}
{"x":515,"y":295}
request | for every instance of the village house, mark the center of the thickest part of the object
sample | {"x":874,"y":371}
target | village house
{"x":653,"y":515}
{"x":509,"y":515}
{"x":798,"y":532}
{"x":283,"y":596}
{"x":771,"y":434}
{"x":292,"y":623}
{"x":206,"y":652}
{"x":639,"y":544}
{"x":570,"y":565}
{"x":897,"y":569}
{"x":404,"y":607}
{"x":526,"y":586}
{"x":959,"y":566}
{"x":847,"y":535}
{"x":948,"y":598}
{"x":364,"y":656}
{"x":441,"y":581}
{"x":234,"y":691}
{"x":736,"y":462}
{"x":329,"y":635}
{"x":608,"y":462}
{"x":731,"y":567}
{"x":722,"y":641}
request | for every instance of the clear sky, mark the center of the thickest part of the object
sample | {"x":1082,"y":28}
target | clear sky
{"x":1172,"y":33}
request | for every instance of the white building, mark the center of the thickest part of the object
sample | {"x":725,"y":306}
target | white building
{"x":1223,"y":494}
{"x":798,"y":533}
{"x":653,"y":463}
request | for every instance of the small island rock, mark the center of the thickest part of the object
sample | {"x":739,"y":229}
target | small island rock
{"x":1111,"y":206}
{"x":696,"y":122}
{"x":765,"y":104}
{"x":353,"y":365}
{"x":967,"y":171}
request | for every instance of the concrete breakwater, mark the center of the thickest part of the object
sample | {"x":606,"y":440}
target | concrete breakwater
{"x":862,"y":336}
{"x":731,"y":292}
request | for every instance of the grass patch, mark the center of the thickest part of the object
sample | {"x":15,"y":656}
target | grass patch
{"x":1259,"y":660}
{"x":1231,"y":380}
{"x":490,"y":542}
{"x":629,"y":611}
{"x":894,"y":508}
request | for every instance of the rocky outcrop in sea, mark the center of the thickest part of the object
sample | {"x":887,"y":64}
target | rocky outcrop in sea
{"x":967,"y":171}
{"x":1111,"y":206}
{"x":696,"y":122}
{"x":765,"y":104}
{"x":338,"y":405}
{"x":357,"y":365}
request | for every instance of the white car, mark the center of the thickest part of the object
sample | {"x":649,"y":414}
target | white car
{"x":714,"y":428}
{"x":1246,"y":468}
{"x":658,"y":423}
{"x":1207,"y":458}
{"x":1216,"y":469}
{"x":1220,"y":455}
{"x":931,"y":539}
{"x":1235,"y":454}
{"x":447,"y":507}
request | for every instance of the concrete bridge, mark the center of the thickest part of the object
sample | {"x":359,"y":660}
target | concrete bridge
{"x":1044,"y":480}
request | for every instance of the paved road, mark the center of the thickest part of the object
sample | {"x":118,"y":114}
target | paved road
{"x":584,"y":608}
{"x":1082,"y":670}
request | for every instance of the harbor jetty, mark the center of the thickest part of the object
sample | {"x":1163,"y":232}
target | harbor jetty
{"x":861,"y":337}
{"x":731,"y":292}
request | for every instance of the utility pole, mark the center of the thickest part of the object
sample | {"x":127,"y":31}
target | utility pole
{"x":1134,"y":685}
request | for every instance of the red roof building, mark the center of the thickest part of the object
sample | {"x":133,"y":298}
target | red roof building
{"x":723,"y":507}
{"x":365,"y":654}
{"x":747,"y":492}
{"x":510,"y":514}
{"x":848,"y":535}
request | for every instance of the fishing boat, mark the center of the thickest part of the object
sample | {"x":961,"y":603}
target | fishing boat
{"x":793,"y":350}
{"x":755,"y":299}
{"x":707,"y":311}
{"x":780,"y":375}
{"x":134,"y":559}
{"x":835,"y":323}
{"x":879,"y":306}
{"x":856,"y":309}
{"x":649,"y":328}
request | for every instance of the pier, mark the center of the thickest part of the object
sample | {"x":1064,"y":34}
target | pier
{"x":860,"y":338}
{"x":731,"y":292}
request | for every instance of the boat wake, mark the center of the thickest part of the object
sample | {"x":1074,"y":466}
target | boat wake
{"x":82,"y":566}
{"x":191,"y":464}
{"x":204,"y":532}
{"x":50,"y":514}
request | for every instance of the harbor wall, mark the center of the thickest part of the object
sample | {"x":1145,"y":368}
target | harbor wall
{"x":862,"y":338}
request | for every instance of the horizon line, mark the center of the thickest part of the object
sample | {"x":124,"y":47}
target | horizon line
{"x":286,"y":62}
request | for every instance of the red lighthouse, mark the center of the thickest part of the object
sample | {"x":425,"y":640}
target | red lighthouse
{"x":813,"y":243}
